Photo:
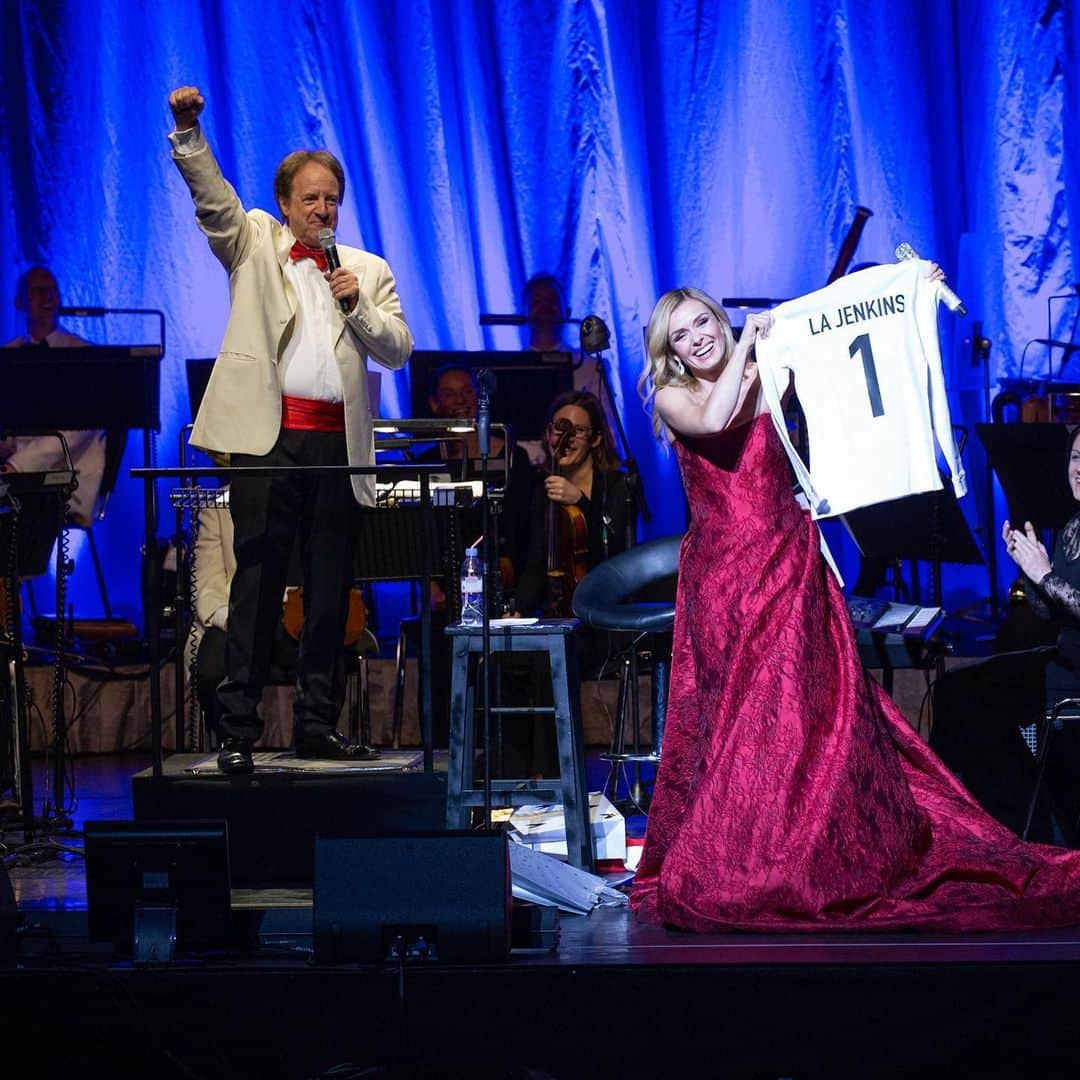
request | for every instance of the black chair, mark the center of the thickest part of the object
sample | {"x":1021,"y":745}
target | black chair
{"x":1062,"y":712}
{"x":616,"y":596}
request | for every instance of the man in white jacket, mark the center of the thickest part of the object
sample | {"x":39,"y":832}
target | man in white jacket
{"x":289,"y":387}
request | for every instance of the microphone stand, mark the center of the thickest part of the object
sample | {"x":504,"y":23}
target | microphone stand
{"x":594,"y":343}
{"x":483,"y":433}
{"x":635,"y":494}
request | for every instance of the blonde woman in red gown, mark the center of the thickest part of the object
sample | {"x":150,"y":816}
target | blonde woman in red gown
{"x":792,"y":794}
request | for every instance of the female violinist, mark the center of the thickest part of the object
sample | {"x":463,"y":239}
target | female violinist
{"x":584,"y":482}
{"x":579,"y":515}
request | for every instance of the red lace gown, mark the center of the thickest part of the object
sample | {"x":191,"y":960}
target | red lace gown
{"x":792,"y":794}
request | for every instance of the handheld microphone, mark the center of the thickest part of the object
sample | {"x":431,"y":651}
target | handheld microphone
{"x":328,"y":243}
{"x":485,"y":383}
{"x":81,"y":312}
{"x":595,"y":336}
{"x":952,"y":301}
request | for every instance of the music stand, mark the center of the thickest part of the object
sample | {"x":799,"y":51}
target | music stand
{"x":928,"y":527}
{"x":198,"y":377}
{"x":192,"y":495}
{"x":524,"y":383}
{"x":88,"y":386}
{"x":79,"y":388}
{"x":44,"y":507}
{"x":1029,"y":460}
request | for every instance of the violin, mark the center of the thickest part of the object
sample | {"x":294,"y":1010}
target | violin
{"x":292,"y":616}
{"x":567,"y":539}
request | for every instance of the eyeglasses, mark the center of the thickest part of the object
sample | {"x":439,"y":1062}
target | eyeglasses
{"x":561,"y":427}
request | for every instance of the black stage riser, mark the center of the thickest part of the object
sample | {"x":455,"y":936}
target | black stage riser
{"x":591,"y":1021}
{"x":273,"y":819}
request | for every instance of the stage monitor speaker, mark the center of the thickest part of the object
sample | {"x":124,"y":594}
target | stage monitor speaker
{"x":423,"y":897}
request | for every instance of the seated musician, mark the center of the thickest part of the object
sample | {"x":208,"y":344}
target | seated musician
{"x":546,"y":313}
{"x":979,"y":709}
{"x":578,"y":519}
{"x":453,"y":396}
{"x":579,"y":515}
{"x":213,"y":567}
{"x":38,"y":298}
{"x":548,"y":316}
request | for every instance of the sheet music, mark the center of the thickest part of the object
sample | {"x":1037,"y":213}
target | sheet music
{"x":906,"y":619}
{"x":922,"y":618}
{"x":543,"y":879}
{"x":444,"y":493}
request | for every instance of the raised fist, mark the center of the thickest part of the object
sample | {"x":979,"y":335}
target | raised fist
{"x":186,"y":103}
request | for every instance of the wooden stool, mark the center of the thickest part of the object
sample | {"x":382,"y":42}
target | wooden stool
{"x":552,"y":636}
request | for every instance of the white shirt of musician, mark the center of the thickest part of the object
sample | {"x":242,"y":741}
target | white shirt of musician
{"x":308,"y":367}
{"x":55,"y":339}
{"x":44,"y":453}
{"x":864,"y":353}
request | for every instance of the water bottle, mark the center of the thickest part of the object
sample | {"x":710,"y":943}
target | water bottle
{"x":472,"y":589}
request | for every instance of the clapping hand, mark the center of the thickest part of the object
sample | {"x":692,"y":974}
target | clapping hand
{"x":1026,"y":550}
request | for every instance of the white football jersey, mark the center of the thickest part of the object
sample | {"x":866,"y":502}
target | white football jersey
{"x":864,"y":353}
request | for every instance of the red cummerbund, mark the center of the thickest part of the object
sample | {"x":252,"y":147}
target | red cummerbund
{"x":304,"y":414}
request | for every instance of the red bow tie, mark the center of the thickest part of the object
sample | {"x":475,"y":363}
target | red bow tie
{"x":316,"y":255}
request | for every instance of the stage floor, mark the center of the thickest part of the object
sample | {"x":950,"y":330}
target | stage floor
{"x":614,"y":998}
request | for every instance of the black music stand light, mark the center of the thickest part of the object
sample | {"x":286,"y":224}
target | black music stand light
{"x":87,"y":386}
{"x":525,"y":382}
{"x":928,"y":527}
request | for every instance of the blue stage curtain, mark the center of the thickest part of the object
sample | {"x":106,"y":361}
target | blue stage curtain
{"x":625,"y":146}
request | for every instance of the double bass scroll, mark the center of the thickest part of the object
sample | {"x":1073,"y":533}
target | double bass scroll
{"x":851,"y":242}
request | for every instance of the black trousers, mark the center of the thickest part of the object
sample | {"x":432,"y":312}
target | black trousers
{"x":268,"y":517}
{"x":211,"y":669}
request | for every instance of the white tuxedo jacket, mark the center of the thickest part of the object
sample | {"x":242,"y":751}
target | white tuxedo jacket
{"x":241,"y":410}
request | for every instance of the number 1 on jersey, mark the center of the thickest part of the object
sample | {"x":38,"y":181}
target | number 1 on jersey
{"x":861,"y":344}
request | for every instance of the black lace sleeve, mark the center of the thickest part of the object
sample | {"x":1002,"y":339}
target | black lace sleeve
{"x":1035,"y":599}
{"x":1056,"y":596}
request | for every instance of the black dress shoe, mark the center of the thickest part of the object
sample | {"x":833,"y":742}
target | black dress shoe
{"x":234,"y":757}
{"x":333,"y":746}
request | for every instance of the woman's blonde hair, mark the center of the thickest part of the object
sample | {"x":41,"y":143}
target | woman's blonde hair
{"x":664,"y":368}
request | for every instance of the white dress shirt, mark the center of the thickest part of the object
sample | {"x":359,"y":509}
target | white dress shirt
{"x":307,"y":367}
